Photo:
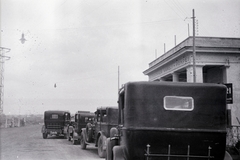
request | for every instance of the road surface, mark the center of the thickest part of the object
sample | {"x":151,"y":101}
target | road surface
{"x":26,"y":143}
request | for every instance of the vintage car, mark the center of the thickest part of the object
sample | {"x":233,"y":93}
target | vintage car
{"x":55,"y":123}
{"x":80,"y":120}
{"x":98,"y":131}
{"x":169,"y":120}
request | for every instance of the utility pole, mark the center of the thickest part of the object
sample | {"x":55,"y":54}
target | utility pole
{"x":194,"y":50}
{"x":175,"y":40}
{"x":2,"y":60}
{"x":164,"y":48}
{"x":118,"y":79}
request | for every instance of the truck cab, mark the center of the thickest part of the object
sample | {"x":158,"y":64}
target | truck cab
{"x":168,"y":120}
{"x":79,"y":121}
{"x":97,"y":132}
{"x":55,"y":123}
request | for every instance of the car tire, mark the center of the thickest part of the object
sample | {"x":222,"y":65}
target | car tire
{"x":74,"y":142}
{"x":83,"y":144}
{"x":45,"y":135}
{"x":101,"y":152}
{"x":68,"y":136}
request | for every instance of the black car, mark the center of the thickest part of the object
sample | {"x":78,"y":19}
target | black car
{"x":55,"y":123}
{"x":167,"y":120}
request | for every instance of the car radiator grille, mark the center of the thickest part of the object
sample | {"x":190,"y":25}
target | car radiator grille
{"x":53,"y":126}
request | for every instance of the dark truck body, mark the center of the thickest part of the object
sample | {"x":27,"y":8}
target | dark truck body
{"x":99,"y":131}
{"x":55,"y":123}
{"x":162,"y":120}
{"x":81,"y":118}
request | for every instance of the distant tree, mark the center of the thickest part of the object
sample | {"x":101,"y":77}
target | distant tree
{"x":2,"y":120}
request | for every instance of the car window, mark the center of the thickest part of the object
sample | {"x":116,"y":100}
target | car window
{"x":178,"y":103}
{"x":54,"y":116}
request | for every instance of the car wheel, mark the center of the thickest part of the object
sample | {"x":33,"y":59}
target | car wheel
{"x":68,"y":136}
{"x":74,"y":142}
{"x":83,"y":144}
{"x":45,"y":135}
{"x":101,"y":152}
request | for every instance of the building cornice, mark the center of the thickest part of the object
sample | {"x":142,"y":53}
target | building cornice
{"x":203,"y":44}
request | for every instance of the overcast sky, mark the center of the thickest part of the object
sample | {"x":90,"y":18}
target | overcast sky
{"x":79,"y":44}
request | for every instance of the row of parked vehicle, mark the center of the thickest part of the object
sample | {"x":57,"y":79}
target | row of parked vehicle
{"x":153,"y":120}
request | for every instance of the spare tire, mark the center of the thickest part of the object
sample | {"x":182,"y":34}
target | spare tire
{"x":89,"y":132}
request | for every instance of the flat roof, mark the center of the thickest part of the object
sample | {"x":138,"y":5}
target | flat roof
{"x":203,"y":42}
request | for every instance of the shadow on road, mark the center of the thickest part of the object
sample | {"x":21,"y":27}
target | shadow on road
{"x":92,"y":150}
{"x":55,"y":137}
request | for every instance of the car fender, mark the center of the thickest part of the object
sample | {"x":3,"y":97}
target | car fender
{"x":120,"y":153}
{"x":84,"y":133}
{"x":89,"y":132}
{"x":101,"y":133}
{"x":227,"y":156}
{"x":43,"y":129}
{"x":113,"y":132}
{"x":65,"y":129}
{"x":109,"y":149}
{"x":77,"y":136}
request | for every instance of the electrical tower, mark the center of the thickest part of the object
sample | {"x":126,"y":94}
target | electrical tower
{"x":3,"y":58}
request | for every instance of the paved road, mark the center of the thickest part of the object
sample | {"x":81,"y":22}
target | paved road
{"x":26,"y":143}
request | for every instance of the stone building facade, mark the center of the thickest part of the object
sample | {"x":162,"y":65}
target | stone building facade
{"x":217,"y":61}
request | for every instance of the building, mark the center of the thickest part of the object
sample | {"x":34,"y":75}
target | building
{"x":217,"y":61}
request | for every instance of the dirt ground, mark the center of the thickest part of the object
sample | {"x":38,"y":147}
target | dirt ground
{"x":26,"y":143}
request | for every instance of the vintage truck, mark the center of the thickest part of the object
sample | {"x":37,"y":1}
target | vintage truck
{"x":55,"y":123}
{"x":99,"y":131}
{"x":169,"y":120}
{"x":80,"y":120}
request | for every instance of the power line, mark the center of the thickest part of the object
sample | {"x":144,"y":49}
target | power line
{"x":178,"y":5}
{"x":173,"y":9}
